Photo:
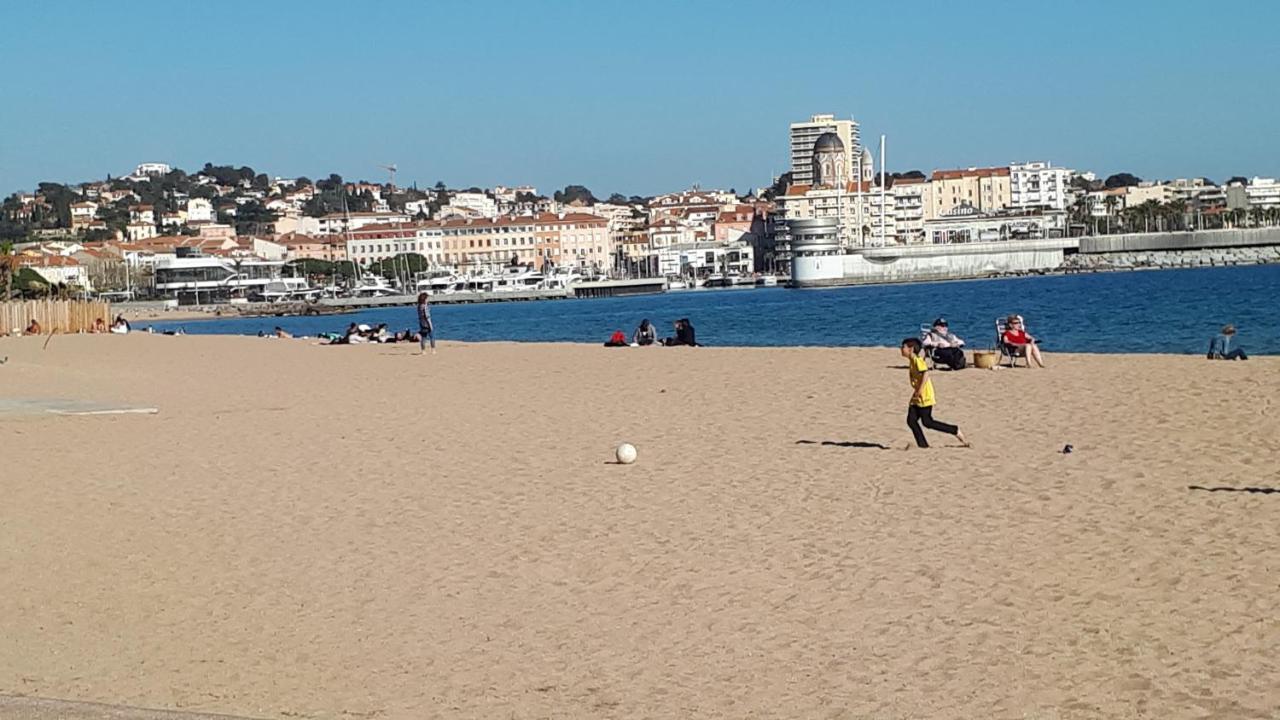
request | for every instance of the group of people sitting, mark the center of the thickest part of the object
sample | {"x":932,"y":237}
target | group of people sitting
{"x":946,"y":349}
{"x":362,"y":333}
{"x":119,"y":326}
{"x":647,"y":334}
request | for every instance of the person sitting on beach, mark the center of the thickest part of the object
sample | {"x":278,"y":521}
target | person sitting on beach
{"x":99,"y":326}
{"x":618,"y":339}
{"x":1220,"y":346}
{"x":685,"y":335}
{"x":944,"y":346}
{"x":33,"y":328}
{"x":120,"y":326}
{"x":1018,"y":342}
{"x":351,"y":335}
{"x":645,"y":334}
{"x":380,"y":333}
{"x":282,"y":333}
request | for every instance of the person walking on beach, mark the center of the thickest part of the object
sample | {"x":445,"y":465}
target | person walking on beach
{"x":426,"y":331}
{"x":920,"y":410}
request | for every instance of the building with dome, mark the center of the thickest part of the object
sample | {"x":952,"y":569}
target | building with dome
{"x":804,"y":137}
{"x":828,"y":165}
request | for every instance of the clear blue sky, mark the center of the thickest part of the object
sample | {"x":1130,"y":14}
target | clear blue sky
{"x":637,"y":97}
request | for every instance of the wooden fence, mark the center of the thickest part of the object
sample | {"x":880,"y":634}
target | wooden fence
{"x":65,"y":316}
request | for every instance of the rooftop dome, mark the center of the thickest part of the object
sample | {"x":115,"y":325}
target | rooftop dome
{"x":828,"y":142}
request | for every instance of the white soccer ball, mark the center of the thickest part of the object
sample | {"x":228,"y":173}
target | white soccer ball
{"x":626,"y":453}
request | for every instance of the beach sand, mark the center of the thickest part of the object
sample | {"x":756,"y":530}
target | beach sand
{"x":354,"y":532}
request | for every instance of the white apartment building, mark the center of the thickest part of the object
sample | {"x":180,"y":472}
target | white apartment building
{"x":477,"y":202}
{"x":380,"y":242}
{"x":1038,"y":186}
{"x":83,"y":214}
{"x":149,"y":170}
{"x":139,"y":230}
{"x":703,"y":258}
{"x":1263,"y":193}
{"x":910,"y":198}
{"x":805,"y":134}
{"x":335,"y":223}
{"x":863,"y":220}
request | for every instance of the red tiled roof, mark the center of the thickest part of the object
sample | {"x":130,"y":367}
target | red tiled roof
{"x":970,"y":172}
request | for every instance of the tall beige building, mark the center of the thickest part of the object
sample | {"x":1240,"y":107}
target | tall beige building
{"x":987,"y":189}
{"x":805,"y":134}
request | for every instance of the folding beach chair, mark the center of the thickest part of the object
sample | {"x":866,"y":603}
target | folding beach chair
{"x":1007,"y":351}
{"x":925,"y":350}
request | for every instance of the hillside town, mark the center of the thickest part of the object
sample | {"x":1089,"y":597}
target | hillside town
{"x":164,"y":231}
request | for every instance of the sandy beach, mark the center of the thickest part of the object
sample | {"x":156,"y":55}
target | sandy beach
{"x":355,"y":532}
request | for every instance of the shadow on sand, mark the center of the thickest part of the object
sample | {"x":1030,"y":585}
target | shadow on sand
{"x":844,"y":444}
{"x":1223,"y":488}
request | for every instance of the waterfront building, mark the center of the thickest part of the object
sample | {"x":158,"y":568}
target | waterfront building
{"x":299,"y":246}
{"x":966,"y":223}
{"x":1038,"y":186}
{"x":861,"y":219}
{"x":566,"y":239}
{"x":986,"y":189}
{"x":804,"y":135}
{"x":57,"y":269}
{"x":704,"y":258}
{"x":374,"y":243}
{"x":1263,"y":193}
{"x":910,"y":198}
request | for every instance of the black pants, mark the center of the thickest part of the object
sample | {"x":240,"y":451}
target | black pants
{"x":917,"y":416}
{"x":951,"y":357}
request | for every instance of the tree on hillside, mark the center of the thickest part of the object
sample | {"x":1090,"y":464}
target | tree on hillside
{"x":441,"y":186}
{"x":1121,"y":180}
{"x":575,"y":193}
{"x":617,"y":199}
{"x":1237,"y":180}
{"x":252,"y":218}
{"x":1209,"y":182}
{"x":302,"y":181}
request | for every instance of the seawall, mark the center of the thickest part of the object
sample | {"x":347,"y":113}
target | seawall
{"x":922,"y":263}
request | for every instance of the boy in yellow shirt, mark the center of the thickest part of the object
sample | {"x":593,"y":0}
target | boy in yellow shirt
{"x":920,"y":412}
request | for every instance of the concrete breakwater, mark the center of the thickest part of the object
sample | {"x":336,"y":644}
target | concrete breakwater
{"x":921,"y":263}
{"x":1208,"y":257}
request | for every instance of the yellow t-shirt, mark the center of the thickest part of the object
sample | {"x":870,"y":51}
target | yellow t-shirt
{"x":918,"y":368}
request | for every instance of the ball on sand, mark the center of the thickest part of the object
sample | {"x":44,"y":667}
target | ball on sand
{"x":626,"y":453}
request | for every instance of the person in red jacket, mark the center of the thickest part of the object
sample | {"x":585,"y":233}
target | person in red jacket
{"x":1019,"y":342}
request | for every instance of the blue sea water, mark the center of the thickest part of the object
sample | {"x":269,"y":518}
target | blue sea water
{"x":1158,"y":311}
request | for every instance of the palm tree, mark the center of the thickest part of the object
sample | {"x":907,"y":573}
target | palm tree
{"x":1111,"y":202}
{"x":1177,"y":210}
{"x":6,"y":267}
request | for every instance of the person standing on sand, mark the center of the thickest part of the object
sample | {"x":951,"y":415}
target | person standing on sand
{"x":426,"y":331}
{"x":920,"y":411}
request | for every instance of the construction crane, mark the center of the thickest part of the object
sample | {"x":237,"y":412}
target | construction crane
{"x":391,"y":169}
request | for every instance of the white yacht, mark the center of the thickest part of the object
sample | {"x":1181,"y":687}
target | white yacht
{"x":289,"y":289}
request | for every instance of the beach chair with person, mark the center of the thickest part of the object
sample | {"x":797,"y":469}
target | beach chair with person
{"x":942,"y":348}
{"x":1013,"y":342}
